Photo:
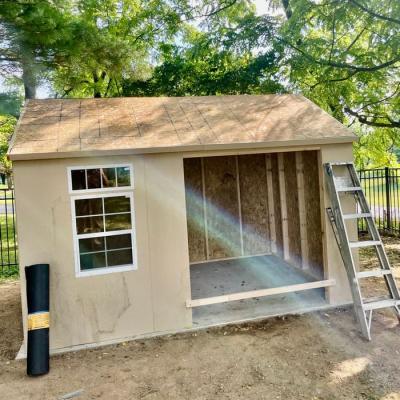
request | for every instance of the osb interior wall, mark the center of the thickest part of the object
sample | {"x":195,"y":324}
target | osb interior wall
{"x":254,"y":204}
{"x":228,"y":207}
{"x":313,"y":212}
{"x":222,"y":207}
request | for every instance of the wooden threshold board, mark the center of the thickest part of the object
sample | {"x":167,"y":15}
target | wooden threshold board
{"x":259,"y":293}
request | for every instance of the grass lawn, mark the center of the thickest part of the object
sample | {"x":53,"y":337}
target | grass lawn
{"x":376,"y":194}
{"x":8,"y":248}
{"x":6,"y":196}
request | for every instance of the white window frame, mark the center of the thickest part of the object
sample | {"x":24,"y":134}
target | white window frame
{"x":102,"y":193}
{"x":108,"y":189}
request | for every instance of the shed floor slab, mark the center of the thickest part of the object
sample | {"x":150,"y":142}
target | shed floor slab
{"x":246,"y":274}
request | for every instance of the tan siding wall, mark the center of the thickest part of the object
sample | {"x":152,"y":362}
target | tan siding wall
{"x":100,"y":308}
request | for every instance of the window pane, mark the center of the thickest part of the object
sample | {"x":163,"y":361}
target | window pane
{"x":118,"y":222}
{"x":109,"y":178}
{"x":93,"y":178}
{"x":123,"y":174}
{"x":89,"y":225}
{"x":78,"y":179}
{"x":118,"y":241}
{"x":92,"y":244}
{"x":94,"y":260}
{"x":88,"y":207}
{"x":119,"y":257}
{"x":117,"y":204}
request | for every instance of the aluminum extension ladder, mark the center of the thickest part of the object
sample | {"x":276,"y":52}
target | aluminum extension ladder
{"x":350,"y":184}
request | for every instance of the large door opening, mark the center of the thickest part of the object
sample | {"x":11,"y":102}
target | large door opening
{"x":254,"y":235}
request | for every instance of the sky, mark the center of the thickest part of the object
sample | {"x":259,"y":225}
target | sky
{"x":43,"y":91}
{"x":261,"y":6}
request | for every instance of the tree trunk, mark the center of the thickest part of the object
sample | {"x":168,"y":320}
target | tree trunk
{"x":10,"y":181}
{"x":96,"y":90}
{"x":286,"y":8}
{"x":29,"y":76}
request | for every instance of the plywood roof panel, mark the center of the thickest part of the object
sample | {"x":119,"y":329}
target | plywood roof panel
{"x":57,"y":128}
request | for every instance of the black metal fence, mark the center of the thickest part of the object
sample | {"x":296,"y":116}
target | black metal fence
{"x":8,"y":238}
{"x":382,"y":190}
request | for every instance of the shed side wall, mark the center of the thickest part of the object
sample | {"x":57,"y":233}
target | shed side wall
{"x":106,"y":307}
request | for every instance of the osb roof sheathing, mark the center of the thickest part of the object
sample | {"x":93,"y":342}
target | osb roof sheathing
{"x":59,"y":128}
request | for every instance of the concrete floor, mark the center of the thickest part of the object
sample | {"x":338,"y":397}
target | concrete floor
{"x":245,"y":274}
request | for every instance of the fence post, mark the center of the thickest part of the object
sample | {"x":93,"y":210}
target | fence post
{"x":387,"y":191}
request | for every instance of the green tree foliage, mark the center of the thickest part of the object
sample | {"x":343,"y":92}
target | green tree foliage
{"x":120,"y":41}
{"x":33,"y":33}
{"x":10,"y":103}
{"x":86,"y":47}
{"x":345,"y":56}
{"x":205,"y":66}
{"x":7,"y":124}
{"x":111,"y":40}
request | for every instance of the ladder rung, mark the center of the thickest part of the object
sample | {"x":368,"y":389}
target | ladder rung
{"x":364,"y":243}
{"x":373,"y":273}
{"x":359,"y":215}
{"x":349,"y":189}
{"x":341,"y":163}
{"x":374,"y":305}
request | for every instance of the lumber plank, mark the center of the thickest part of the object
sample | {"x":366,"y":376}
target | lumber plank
{"x":259,"y":293}
{"x":284,"y":218}
{"x":302,"y":210}
{"x":271,"y":208}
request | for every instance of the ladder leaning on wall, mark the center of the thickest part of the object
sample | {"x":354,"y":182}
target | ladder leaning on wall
{"x":350,"y":184}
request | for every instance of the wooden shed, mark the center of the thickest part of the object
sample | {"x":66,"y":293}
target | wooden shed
{"x":160,"y":215}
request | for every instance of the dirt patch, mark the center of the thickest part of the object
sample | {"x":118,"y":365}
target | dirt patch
{"x":314,"y":356}
{"x":10,"y":320}
{"x":375,"y":287}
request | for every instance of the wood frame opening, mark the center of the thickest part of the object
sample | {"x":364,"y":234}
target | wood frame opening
{"x":256,"y":204}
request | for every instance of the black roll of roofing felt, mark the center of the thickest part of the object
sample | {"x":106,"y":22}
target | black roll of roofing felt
{"x":37,"y":293}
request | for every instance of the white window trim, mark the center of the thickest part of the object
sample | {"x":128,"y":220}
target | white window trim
{"x":109,"y":189}
{"x":101,"y":193}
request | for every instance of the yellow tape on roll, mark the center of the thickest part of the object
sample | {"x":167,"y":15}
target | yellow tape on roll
{"x":38,"y":321}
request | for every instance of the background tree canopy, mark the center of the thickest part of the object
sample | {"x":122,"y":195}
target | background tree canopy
{"x":343,"y":55}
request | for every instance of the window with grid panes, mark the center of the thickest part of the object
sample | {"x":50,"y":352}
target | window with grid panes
{"x":103,"y":226}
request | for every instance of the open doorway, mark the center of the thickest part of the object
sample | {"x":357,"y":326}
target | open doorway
{"x":254,"y":235}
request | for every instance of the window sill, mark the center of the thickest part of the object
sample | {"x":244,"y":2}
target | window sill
{"x":105,"y":271}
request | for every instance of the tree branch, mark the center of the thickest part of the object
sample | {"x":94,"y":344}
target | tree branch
{"x":357,"y":68}
{"x":355,"y":39}
{"x":371,"y":120}
{"x":373,"y":13}
{"x":345,"y":78}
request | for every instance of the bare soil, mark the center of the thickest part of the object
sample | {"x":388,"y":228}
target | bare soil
{"x":313,"y":356}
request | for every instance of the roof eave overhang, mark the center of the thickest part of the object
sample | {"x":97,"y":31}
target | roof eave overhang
{"x":182,"y":148}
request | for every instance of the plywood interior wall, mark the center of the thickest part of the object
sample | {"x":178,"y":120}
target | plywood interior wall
{"x":235,"y":207}
{"x":222,"y":207}
{"x":254,"y":204}
{"x":313,"y":212}
{"x":195,"y":209}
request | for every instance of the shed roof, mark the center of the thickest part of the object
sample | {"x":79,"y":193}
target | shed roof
{"x":58,"y":128}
